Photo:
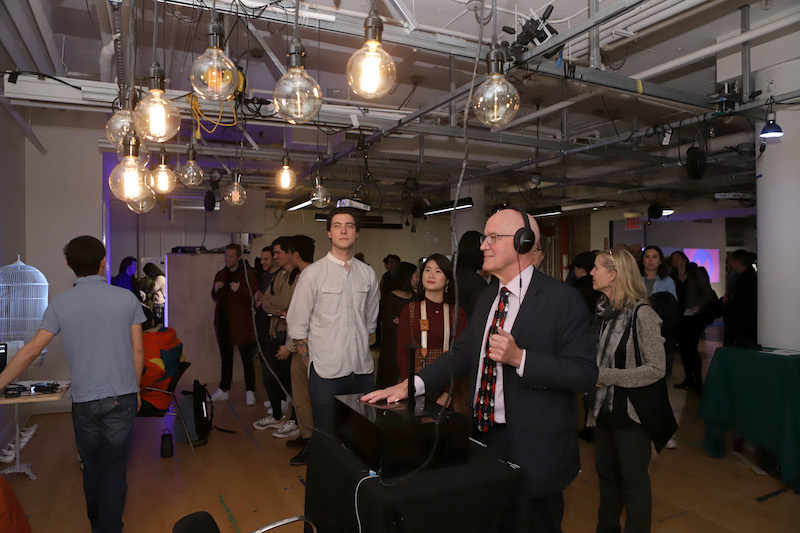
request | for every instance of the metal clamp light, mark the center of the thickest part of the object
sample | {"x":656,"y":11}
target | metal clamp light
{"x":771,"y":130}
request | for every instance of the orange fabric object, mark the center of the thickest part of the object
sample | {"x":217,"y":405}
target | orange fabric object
{"x":153,"y":342}
{"x":12,"y":516}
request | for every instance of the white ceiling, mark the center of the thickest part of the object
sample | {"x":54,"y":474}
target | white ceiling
{"x":65,"y":38}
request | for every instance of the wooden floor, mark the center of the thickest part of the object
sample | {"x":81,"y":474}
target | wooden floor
{"x":244,"y":480}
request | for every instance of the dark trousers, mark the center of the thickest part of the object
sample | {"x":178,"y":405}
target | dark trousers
{"x":622,"y":457}
{"x":322,"y":392}
{"x":103,"y":436}
{"x":691,"y":329}
{"x":247,"y":351}
{"x":535,"y":515}
{"x":281,"y":368}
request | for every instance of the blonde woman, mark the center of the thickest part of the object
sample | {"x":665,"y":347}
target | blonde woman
{"x":630,"y":356}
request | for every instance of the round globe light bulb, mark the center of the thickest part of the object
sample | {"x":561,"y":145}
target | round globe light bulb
{"x":119,"y":125}
{"x":214,"y":75}
{"x":191,"y":174}
{"x":235,"y":195}
{"x":156,"y":118}
{"x":162,"y":180}
{"x":286,"y":178}
{"x":371,"y":71}
{"x":297,"y":96}
{"x":495,"y":101}
{"x":143,"y":205}
{"x":128,"y":180}
{"x":320,"y":197}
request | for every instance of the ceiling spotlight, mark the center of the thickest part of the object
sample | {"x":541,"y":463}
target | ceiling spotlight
{"x":162,"y":179}
{"x":496,"y":101}
{"x":234,"y":194}
{"x":656,"y":211}
{"x":213,"y":74}
{"x":285,"y":177}
{"x":771,"y":130}
{"x":191,"y":174}
{"x":297,"y":96}
{"x":371,"y":71}
{"x":156,"y":118}
{"x":127,"y":180}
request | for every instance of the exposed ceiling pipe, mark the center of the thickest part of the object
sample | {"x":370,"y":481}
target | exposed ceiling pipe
{"x":720,"y":46}
{"x":665,"y":23}
{"x":546,"y":111}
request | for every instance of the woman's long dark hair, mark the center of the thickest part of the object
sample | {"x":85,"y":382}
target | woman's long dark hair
{"x":446,"y":267}
{"x":125,"y":263}
{"x":469,"y":251}
{"x":662,"y":268}
{"x":401,"y":278}
{"x":152,"y":270}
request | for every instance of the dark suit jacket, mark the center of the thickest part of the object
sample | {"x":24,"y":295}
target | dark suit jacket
{"x":541,"y":407}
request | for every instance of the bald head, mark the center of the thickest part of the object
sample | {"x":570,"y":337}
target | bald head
{"x":500,"y":258}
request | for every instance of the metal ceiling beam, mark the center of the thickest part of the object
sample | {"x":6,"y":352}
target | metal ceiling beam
{"x":260,"y":40}
{"x":27,"y":26}
{"x":24,"y":126}
{"x":12,"y":42}
{"x":47,"y":35}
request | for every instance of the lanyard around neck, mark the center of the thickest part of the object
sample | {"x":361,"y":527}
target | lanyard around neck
{"x":424,"y":326}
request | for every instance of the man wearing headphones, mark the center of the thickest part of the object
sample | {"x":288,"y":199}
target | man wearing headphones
{"x":527,"y":350}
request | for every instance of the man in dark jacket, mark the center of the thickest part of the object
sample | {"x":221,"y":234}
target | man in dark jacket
{"x":741,"y":309}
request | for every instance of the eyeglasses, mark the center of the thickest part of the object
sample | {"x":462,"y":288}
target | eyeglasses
{"x":492,"y":238}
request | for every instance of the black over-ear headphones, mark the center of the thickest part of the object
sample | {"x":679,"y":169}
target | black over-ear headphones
{"x":524,"y":238}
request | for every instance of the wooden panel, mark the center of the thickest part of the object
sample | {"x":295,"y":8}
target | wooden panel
{"x":190,"y":311}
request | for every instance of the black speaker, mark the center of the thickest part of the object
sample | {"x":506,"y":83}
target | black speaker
{"x":209,"y":201}
{"x":524,"y":238}
{"x":695,"y":162}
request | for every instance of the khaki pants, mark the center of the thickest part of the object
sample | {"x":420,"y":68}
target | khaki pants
{"x":302,"y":401}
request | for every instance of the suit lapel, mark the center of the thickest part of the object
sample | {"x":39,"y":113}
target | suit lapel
{"x":479,"y":318}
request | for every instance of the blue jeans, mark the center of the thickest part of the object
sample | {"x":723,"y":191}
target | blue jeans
{"x":322,"y":392}
{"x":103,"y":431}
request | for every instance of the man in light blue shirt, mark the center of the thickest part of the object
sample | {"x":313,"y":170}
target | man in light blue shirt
{"x":333,"y":311}
{"x":101,"y":329}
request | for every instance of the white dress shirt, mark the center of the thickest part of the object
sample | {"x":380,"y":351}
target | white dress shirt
{"x":518,"y":292}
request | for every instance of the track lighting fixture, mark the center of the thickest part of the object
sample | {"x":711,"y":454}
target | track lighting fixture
{"x":371,"y":70}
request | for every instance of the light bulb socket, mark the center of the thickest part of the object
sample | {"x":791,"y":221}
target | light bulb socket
{"x":163,"y":157}
{"x":191,"y":154}
{"x":130,"y":146}
{"x":286,"y":160}
{"x":296,"y":53}
{"x":317,"y":179}
{"x":373,"y":26}
{"x":494,"y":60}
{"x":237,"y":177}
{"x":156,"y":76}
{"x":215,"y":33}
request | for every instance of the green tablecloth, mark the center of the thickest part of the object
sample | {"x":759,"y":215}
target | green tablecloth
{"x":757,"y":395}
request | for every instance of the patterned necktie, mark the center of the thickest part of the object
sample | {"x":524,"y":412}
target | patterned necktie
{"x":484,"y":404}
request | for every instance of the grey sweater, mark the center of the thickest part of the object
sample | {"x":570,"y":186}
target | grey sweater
{"x":653,"y":368}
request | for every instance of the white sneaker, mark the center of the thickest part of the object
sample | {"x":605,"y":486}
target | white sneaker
{"x":671,"y":444}
{"x":219,"y":395}
{"x":266,"y":423}
{"x":287,"y":429}
{"x":268,"y":404}
{"x":250,"y":397}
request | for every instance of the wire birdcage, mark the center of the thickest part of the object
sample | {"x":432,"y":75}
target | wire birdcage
{"x":23,"y":300}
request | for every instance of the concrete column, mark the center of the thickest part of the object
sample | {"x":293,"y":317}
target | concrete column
{"x":469,"y":219}
{"x":778,"y":196}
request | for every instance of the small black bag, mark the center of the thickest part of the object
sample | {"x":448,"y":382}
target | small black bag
{"x":651,"y":402}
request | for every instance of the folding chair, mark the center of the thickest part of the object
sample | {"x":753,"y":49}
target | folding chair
{"x":173,"y":383}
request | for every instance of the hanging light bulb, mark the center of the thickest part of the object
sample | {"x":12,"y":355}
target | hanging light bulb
{"x":213,"y":74}
{"x":156,"y":118}
{"x":234,"y":194}
{"x":119,"y":125}
{"x":128,"y":180}
{"x":371,"y":71}
{"x":285,"y":177}
{"x":496,"y":100}
{"x":191,"y":174}
{"x":143,"y":205}
{"x":320,"y":197}
{"x":297,"y":96}
{"x":162,"y":179}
